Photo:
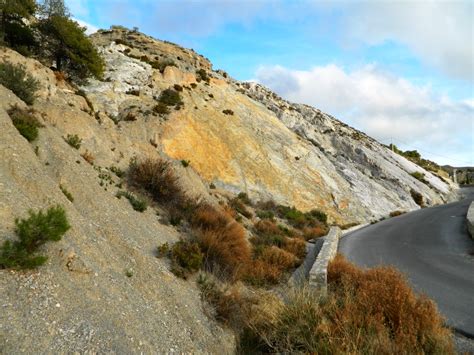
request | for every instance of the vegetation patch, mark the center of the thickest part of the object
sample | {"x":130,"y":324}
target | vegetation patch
{"x":66,"y":193}
{"x":15,"y":78}
{"x":366,"y":311}
{"x":73,"y":140}
{"x":33,"y":232}
{"x":25,"y":122}
{"x":417,"y":197}
{"x":137,"y":203}
{"x":171,"y":97}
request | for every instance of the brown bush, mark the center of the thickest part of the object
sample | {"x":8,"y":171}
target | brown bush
{"x":314,"y":232}
{"x":222,"y":240}
{"x":261,"y":273}
{"x":156,"y":177}
{"x":372,"y":311}
{"x":296,"y":246}
{"x":88,"y":157}
{"x":280,"y":258}
{"x":396,"y":213}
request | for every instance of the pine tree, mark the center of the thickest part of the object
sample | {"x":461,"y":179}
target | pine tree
{"x":52,"y":8}
{"x":13,"y":30}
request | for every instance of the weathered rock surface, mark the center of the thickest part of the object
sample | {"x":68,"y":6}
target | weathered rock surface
{"x":268,"y":147}
{"x":82,"y":301}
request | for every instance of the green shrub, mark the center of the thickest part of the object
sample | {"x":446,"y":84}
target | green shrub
{"x":15,"y":78}
{"x":228,"y":112}
{"x":170,"y":97}
{"x":265,"y":214}
{"x":25,"y":122}
{"x":73,"y":140}
{"x":32,"y":233}
{"x":138,"y":204}
{"x":161,"y":109}
{"x":185,"y":163}
{"x":66,"y":193}
{"x":186,"y":258}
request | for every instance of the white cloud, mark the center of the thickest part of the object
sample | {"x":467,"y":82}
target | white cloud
{"x":440,"y":33}
{"x":384,"y":106}
{"x":89,"y":28}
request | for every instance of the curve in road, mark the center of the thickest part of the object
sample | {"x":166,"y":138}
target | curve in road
{"x":432,"y":247}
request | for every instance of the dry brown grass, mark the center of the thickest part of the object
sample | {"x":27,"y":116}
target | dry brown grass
{"x":279,"y":258}
{"x":222,"y":240}
{"x":88,"y":157}
{"x":314,"y":232}
{"x":366,"y":312}
{"x":296,"y":246}
{"x":157,"y":177}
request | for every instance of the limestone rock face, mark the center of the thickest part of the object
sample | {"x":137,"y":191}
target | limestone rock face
{"x":266,"y":147}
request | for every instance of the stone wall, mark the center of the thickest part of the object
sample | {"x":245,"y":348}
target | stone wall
{"x":319,"y":272}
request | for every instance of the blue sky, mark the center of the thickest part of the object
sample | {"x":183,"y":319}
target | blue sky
{"x":401,"y":71}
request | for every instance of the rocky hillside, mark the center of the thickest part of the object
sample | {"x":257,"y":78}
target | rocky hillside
{"x":103,"y":287}
{"x":264,"y":145}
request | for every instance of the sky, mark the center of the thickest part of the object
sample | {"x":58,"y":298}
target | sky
{"x":401,"y":71}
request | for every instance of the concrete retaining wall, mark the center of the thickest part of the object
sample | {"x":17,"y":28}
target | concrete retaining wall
{"x":318,"y":275}
{"x":470,"y":219}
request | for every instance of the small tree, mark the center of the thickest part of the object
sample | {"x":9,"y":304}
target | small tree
{"x":52,"y":8}
{"x":67,"y":44}
{"x":13,"y":30}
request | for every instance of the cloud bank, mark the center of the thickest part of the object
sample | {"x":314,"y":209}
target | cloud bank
{"x":384,"y":106}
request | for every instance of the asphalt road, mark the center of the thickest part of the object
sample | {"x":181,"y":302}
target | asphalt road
{"x":431,"y":246}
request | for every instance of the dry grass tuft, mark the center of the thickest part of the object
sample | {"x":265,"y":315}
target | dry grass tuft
{"x":296,"y":246}
{"x":222,"y":240}
{"x":367,"y":311}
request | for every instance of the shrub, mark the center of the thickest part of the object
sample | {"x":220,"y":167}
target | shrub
{"x":73,"y":140}
{"x":265,"y":214}
{"x":88,"y":157}
{"x":419,"y":176}
{"x":138,"y":204}
{"x":222,"y":241}
{"x":185,"y":163}
{"x":366,"y":311}
{"x":163,"y":250}
{"x":228,"y":112}
{"x":25,"y":122}
{"x":296,"y":246}
{"x":15,"y":78}
{"x":201,"y":74}
{"x":314,"y":232}
{"x":396,"y":213}
{"x":33,"y":232}
{"x":240,"y":207}
{"x":186,"y":258}
{"x":178,"y":87}
{"x":161,"y":109}
{"x":156,"y":177}
{"x":268,"y":233}
{"x":417,"y":197}
{"x":161,"y":65}
{"x":66,"y":193}
{"x":170,"y":97}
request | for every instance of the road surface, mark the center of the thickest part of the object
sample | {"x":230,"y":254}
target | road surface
{"x":432,"y":247}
